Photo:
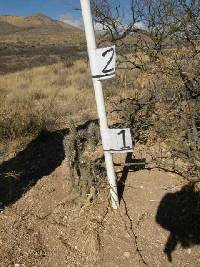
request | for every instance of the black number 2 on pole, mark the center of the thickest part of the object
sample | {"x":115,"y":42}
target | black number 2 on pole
{"x":123,"y":133}
{"x":112,"y":51}
{"x":103,"y":61}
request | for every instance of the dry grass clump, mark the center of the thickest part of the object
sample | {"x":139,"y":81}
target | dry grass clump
{"x":43,"y":98}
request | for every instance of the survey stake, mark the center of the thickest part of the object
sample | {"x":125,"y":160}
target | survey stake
{"x":105,"y":66}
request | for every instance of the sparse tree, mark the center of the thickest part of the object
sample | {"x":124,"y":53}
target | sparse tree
{"x":161,"y":39}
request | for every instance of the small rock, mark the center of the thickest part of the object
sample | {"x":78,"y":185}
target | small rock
{"x":189,"y":250}
{"x":127,"y":254}
{"x":127,"y":235}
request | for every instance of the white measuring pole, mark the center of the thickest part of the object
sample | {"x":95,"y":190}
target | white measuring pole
{"x":91,"y":45}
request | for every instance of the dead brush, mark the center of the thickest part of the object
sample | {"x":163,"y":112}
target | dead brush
{"x":85,"y":173}
{"x":137,"y":114}
{"x":193,"y":135}
{"x":8,"y":182}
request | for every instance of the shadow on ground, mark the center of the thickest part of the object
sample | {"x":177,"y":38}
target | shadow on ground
{"x":41,"y":157}
{"x":131,"y":164}
{"x":179,"y":213}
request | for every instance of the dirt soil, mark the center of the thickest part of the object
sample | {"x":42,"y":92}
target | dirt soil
{"x":49,"y":226}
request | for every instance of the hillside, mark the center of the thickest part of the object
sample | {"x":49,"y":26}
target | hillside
{"x":33,"y":21}
{"x":7,"y":28}
{"x":27,"y":41}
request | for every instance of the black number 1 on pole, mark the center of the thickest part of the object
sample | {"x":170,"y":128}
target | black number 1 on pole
{"x":123,"y":133}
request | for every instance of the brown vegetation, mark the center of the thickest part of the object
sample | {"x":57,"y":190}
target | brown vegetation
{"x":162,"y":54}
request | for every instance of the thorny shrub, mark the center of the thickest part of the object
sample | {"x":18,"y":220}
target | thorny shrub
{"x":163,"y":55}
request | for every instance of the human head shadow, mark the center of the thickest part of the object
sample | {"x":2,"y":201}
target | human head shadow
{"x":179,"y":213}
{"x":40,"y":157}
{"x":131,"y":164}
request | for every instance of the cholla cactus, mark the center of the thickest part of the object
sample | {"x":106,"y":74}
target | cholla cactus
{"x":93,"y":135}
{"x":73,"y":150}
{"x":83,"y":173}
{"x":92,"y":173}
{"x":86,"y":180}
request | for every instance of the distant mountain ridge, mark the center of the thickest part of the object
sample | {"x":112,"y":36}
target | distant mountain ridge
{"x":11,"y":24}
{"x":37,"y":40}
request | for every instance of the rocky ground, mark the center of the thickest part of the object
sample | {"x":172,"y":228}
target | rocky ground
{"x":48,"y":226}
